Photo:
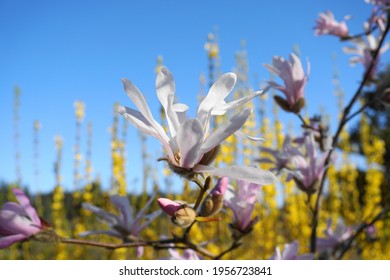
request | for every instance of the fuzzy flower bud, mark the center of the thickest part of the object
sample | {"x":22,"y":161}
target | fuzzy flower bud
{"x":214,"y":201}
{"x":181,"y":215}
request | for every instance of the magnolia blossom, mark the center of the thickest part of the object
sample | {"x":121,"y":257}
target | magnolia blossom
{"x":242,"y":202}
{"x":124,"y":226}
{"x":291,"y":72}
{"x":333,"y":238}
{"x":290,"y":252}
{"x":190,"y":147}
{"x":18,"y":221}
{"x":310,"y":167}
{"x":364,"y":49}
{"x":327,"y":24}
{"x":284,"y":159}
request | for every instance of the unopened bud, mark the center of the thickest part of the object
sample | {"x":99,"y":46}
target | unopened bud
{"x":181,"y":215}
{"x":214,"y":202}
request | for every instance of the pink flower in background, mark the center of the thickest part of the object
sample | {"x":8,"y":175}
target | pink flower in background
{"x":310,"y":168}
{"x":284,"y":159}
{"x":363,"y":49}
{"x":126,"y":225}
{"x":334,"y":238}
{"x":242,"y":202}
{"x":290,"y":252}
{"x":294,"y":78}
{"x":190,"y":146}
{"x":18,"y":221}
{"x":327,"y":24}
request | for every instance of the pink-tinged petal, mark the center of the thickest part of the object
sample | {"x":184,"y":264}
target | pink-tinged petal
{"x":246,"y":173}
{"x":189,"y":140}
{"x":225,"y":130}
{"x":14,"y":207}
{"x":141,"y":214}
{"x":6,"y":241}
{"x":221,"y":187}
{"x":123,"y":205}
{"x":109,"y":217}
{"x":11,"y":222}
{"x":290,"y":251}
{"x":297,"y":70}
{"x":165,"y":87}
{"x":168,"y":206}
{"x":26,"y":206}
{"x":216,"y":95}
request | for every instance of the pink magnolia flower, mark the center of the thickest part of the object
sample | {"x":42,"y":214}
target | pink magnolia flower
{"x":333,"y":238}
{"x":291,"y":72}
{"x":126,"y":225}
{"x":310,"y":167}
{"x":290,"y":252}
{"x":327,"y":24}
{"x":363,"y":49}
{"x":242,"y":202}
{"x":284,"y":159}
{"x":190,"y":147}
{"x":18,"y":221}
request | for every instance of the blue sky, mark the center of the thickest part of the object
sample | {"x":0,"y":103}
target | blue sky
{"x":58,"y":52}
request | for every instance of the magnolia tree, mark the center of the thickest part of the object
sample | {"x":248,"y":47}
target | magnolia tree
{"x":191,"y":144}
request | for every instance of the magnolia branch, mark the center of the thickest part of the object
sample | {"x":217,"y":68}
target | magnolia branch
{"x":345,"y":118}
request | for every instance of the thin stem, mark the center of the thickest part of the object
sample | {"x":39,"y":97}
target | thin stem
{"x":345,"y":118}
{"x":360,"y":229}
{"x":202,"y":192}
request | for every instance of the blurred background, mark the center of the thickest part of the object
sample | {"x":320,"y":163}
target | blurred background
{"x":61,"y":69}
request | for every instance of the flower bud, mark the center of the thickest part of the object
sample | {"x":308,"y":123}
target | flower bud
{"x":181,"y":215}
{"x":214,"y":202}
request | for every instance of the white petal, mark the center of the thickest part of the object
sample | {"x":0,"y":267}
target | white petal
{"x":221,"y":109}
{"x":189,"y":139}
{"x":241,"y":134}
{"x":181,"y":112}
{"x":140,"y":122}
{"x":217,"y":94}
{"x":165,"y":87}
{"x":225,"y":130}
{"x":139,"y":101}
{"x":246,"y":173}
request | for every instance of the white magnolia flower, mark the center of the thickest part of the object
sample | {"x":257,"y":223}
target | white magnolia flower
{"x":190,"y":147}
